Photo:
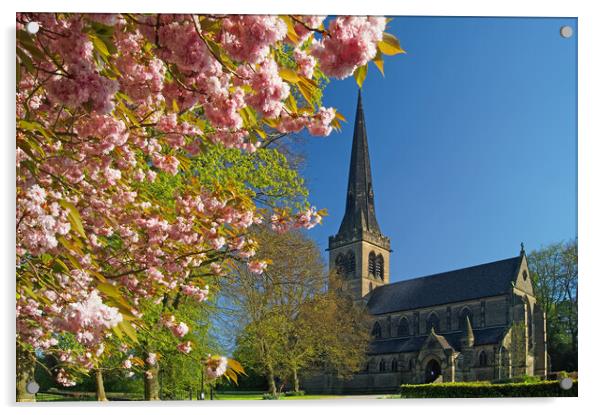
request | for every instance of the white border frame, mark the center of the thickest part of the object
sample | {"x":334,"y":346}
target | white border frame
{"x":589,"y":197}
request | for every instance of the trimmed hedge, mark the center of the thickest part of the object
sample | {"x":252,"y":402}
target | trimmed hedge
{"x":487,"y":390}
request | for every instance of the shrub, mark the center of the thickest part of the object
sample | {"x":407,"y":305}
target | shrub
{"x":518,"y":379}
{"x":487,"y":390}
{"x":270,"y":397}
{"x":293,"y":393}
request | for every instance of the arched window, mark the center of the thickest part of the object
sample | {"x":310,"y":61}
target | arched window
{"x":412,"y":364}
{"x":483,"y":358}
{"x":350,"y":264}
{"x":376,"y":330}
{"x":368,"y":365}
{"x":379,"y":270}
{"x":525,"y":275}
{"x":403,"y":329}
{"x":382,"y":366}
{"x":340,"y":265}
{"x":466,"y":312}
{"x":371,"y":263}
{"x":394,"y":365}
{"x":433,"y":322}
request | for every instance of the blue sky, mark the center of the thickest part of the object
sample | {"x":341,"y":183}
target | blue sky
{"x":472,"y":139}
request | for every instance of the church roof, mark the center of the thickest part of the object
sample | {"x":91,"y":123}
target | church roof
{"x":491,"y":335}
{"x":359,"y":209}
{"x":485,"y":280}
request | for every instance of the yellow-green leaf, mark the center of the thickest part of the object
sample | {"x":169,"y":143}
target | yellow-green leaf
{"x":390,"y":45}
{"x":74,"y":218}
{"x":118,"y":332}
{"x":99,"y":45}
{"x":108,"y":289}
{"x":129,"y":330}
{"x":379,"y":62}
{"x":231,"y":375}
{"x":289,"y":75}
{"x":291,"y":34}
{"x":360,"y":74}
{"x":236,"y":366}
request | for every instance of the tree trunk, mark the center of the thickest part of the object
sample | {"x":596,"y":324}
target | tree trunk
{"x":26,"y":363}
{"x":295,"y":380}
{"x":100,"y":386}
{"x":271,"y":381}
{"x":151,"y":384}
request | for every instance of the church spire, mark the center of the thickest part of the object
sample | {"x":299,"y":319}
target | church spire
{"x":360,"y":215}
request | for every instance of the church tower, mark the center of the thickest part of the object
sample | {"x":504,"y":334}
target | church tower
{"x":359,"y":251}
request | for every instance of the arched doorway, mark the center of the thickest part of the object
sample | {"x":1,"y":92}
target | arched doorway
{"x":432,"y":371}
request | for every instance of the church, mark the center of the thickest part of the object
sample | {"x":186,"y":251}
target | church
{"x":477,"y":323}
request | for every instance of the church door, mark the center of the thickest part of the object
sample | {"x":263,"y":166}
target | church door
{"x":432,"y":371}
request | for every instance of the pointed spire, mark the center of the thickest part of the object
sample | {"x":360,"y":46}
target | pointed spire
{"x":522,"y":249}
{"x":359,"y":210}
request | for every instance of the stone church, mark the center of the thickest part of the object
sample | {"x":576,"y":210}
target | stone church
{"x":475,"y":323}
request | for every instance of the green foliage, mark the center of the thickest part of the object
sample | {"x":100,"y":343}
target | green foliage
{"x":554,"y":271}
{"x":519,"y":379}
{"x":265,"y":175}
{"x":487,"y":390}
{"x":270,"y":396}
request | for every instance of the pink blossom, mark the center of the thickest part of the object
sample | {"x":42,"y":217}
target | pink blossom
{"x":270,"y":90}
{"x":351,"y":43}
{"x":320,"y":123}
{"x":151,"y":359}
{"x":64,"y":379}
{"x":257,"y":267}
{"x":305,"y":62}
{"x":89,"y":318}
{"x":216,"y":366}
{"x":248,"y":38}
{"x":185,"y":347}
{"x":180,"y":330}
{"x":311,"y":22}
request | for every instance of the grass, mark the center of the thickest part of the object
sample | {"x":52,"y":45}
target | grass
{"x":219,"y":396}
{"x":258,"y":396}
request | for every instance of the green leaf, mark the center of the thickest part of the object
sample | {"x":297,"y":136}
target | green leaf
{"x":360,"y":74}
{"x":390,"y":45}
{"x":74,"y":217}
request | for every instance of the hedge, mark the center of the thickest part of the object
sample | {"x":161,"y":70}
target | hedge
{"x":487,"y":390}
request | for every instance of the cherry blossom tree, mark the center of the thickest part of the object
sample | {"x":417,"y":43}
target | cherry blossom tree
{"x":108,"y":104}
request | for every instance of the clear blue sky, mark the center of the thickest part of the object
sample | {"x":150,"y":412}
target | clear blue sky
{"x":472,"y":139}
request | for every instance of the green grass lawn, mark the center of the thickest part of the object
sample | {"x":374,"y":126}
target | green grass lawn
{"x":219,"y":396}
{"x":254,"y":396}
{"x":257,"y":396}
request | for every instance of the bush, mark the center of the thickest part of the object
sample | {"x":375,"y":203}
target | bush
{"x":519,"y":379}
{"x":270,"y":397}
{"x":293,"y":393}
{"x":487,"y":390}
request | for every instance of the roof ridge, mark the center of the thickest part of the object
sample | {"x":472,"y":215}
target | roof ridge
{"x":445,"y":272}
